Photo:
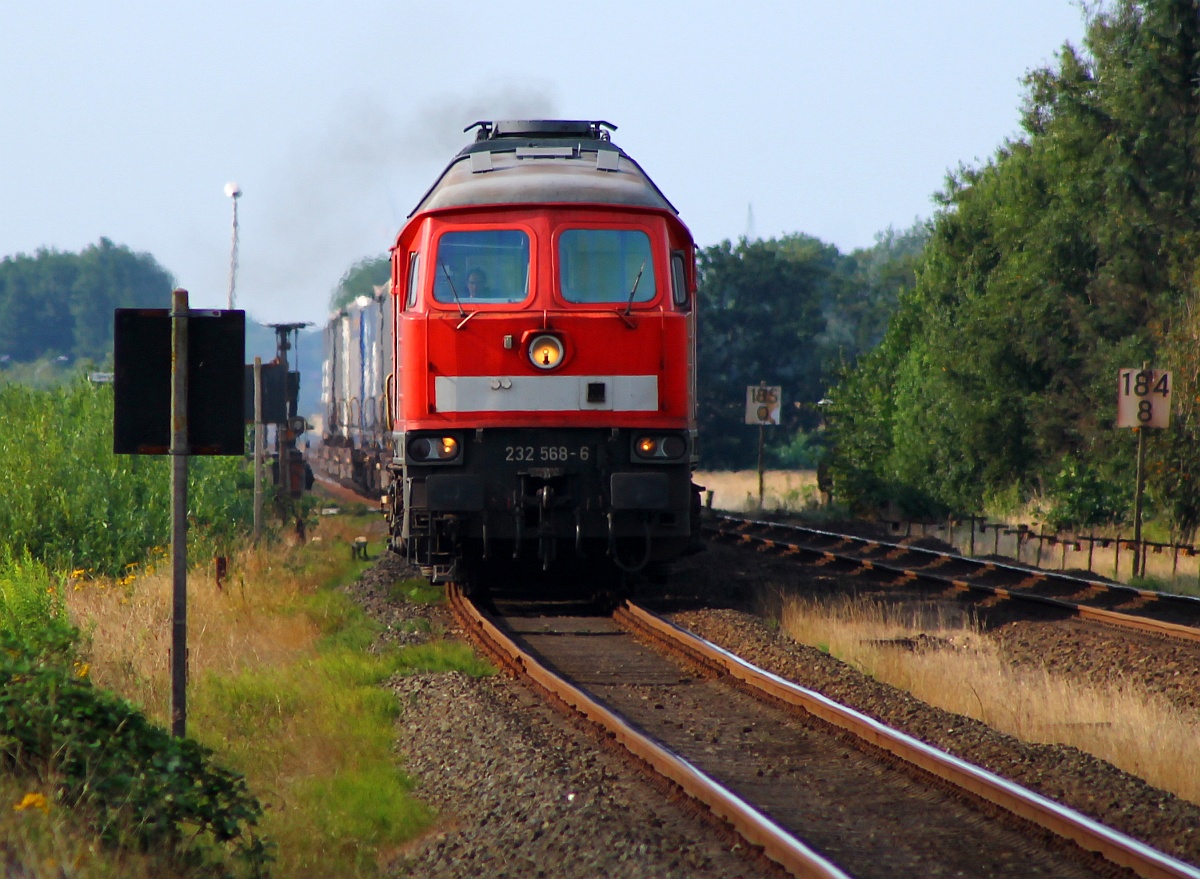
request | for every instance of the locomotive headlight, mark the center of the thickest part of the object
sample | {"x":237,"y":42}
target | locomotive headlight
{"x":659,"y":448}
{"x":546,"y":352}
{"x":433,"y":449}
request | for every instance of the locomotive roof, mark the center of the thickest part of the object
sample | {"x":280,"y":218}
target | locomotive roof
{"x":540,"y":161}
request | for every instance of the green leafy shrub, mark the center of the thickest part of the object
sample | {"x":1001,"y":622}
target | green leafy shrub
{"x":1079,"y":495}
{"x":143,"y":787}
{"x":803,"y":452}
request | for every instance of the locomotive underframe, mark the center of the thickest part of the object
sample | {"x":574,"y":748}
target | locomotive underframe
{"x":545,"y":494}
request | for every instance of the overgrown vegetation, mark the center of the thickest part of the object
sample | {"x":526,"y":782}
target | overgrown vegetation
{"x":86,"y":749}
{"x":287,"y":689}
{"x":70,"y":502}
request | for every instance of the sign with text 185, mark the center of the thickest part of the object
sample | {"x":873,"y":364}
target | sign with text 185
{"x":763,"y":403}
{"x":1143,"y":398}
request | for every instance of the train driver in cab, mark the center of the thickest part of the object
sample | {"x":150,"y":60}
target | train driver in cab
{"x":477,"y":285}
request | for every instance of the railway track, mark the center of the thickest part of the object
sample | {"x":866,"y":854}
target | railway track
{"x":1115,"y":604}
{"x":779,"y":763}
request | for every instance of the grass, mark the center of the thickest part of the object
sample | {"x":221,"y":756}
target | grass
{"x":783,"y":490}
{"x":50,"y":842}
{"x":960,"y":670}
{"x":71,"y":501}
{"x":284,"y":689}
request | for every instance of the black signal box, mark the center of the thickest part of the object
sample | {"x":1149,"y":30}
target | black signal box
{"x":142,"y":382}
{"x":274,"y":391}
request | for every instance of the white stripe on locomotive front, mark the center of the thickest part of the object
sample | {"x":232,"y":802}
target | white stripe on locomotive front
{"x":544,"y":393}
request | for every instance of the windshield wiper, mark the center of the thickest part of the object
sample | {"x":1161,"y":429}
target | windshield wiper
{"x":633,"y":292}
{"x":462,"y":312}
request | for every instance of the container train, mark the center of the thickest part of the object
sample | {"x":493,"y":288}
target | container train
{"x":355,"y":444}
{"x":526,"y":388}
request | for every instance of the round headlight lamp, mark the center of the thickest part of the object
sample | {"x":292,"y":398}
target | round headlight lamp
{"x":433,"y":448}
{"x":545,"y":351}
{"x":660,"y":448}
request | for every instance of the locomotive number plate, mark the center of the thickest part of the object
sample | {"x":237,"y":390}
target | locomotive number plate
{"x":545,"y":453}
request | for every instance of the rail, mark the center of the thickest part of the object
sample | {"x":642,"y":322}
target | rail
{"x":1083,"y":831}
{"x":777,"y":844}
{"x":739,"y":529}
{"x":790,"y":853}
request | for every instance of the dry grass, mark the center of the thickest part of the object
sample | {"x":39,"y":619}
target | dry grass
{"x":250,"y":623}
{"x":957,"y":669}
{"x":281,"y":686}
{"x":737,"y":490}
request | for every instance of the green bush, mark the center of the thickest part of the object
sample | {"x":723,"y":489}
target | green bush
{"x":145,"y":787}
{"x":142,"y":787}
{"x":1079,"y":495}
{"x":804,"y":452}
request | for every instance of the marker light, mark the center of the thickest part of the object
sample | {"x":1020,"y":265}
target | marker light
{"x":546,"y":352}
{"x":433,"y":448}
{"x":660,"y":448}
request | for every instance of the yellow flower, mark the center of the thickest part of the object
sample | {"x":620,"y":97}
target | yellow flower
{"x":32,"y":801}
{"x":82,"y":669}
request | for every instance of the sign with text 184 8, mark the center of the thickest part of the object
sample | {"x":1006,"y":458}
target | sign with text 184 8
{"x":1143,"y":398}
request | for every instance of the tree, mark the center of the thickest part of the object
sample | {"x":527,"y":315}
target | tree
{"x":760,"y":313}
{"x":361,"y":279}
{"x":56,"y":303}
{"x":1068,"y":255}
{"x":110,"y":277}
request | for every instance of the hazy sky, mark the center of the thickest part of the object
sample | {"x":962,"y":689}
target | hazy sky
{"x":125,"y":119}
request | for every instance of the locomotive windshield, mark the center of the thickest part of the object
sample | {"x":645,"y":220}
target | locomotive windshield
{"x":490,"y":265}
{"x":606,"y":265}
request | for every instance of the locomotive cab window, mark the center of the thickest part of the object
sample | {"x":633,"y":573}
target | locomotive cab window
{"x":679,"y":290}
{"x":414,"y":262}
{"x":485,"y":266}
{"x":606,"y":265}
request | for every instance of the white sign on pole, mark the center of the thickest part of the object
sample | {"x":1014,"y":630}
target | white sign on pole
{"x":1143,"y":398}
{"x":763,"y":404}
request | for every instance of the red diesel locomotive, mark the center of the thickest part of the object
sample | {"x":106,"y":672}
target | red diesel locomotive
{"x":543,"y":398}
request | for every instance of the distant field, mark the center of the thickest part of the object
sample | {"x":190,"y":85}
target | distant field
{"x":737,"y":490}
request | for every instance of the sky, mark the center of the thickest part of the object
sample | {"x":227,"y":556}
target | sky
{"x":126,"y":119}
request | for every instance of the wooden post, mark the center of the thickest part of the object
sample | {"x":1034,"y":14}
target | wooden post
{"x":761,"y":435}
{"x":258,"y":450}
{"x":179,"y":496}
{"x":1137,"y":502}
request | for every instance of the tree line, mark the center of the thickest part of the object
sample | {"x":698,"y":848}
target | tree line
{"x":55,"y":304}
{"x":1073,"y":252}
